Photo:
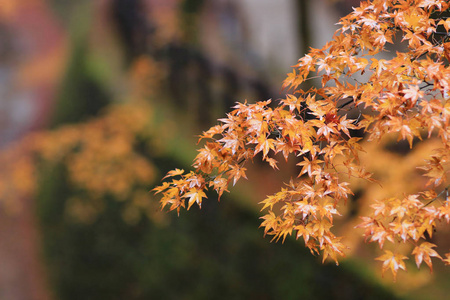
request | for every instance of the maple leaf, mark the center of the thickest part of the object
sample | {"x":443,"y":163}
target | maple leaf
{"x":293,"y":80}
{"x":306,"y":209}
{"x":204,"y":160}
{"x":272,"y":162}
{"x":392,"y":261}
{"x":264,"y":145}
{"x":270,"y":222}
{"x":404,"y":229}
{"x":161,"y":188}
{"x":271,"y":201}
{"x":174,"y":173}
{"x":332,"y":248}
{"x":293,"y":103}
{"x":446,"y":260}
{"x":309,"y":166}
{"x":328,"y":210}
{"x":287,"y":147}
{"x":380,"y":208}
{"x":446,"y":24}
{"x":195,"y":196}
{"x":237,"y":172}
{"x":431,"y":3}
{"x":413,"y":93}
{"x":218,"y":129}
{"x":304,"y":231}
{"x":424,"y":252}
{"x":434,"y":170}
{"x":380,"y":234}
{"x":285,"y":231}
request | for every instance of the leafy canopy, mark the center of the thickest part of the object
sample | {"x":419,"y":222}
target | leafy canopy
{"x":406,"y":95}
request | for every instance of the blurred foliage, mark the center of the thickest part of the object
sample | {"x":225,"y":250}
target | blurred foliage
{"x":392,"y":164}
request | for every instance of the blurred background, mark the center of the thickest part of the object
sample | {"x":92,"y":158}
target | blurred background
{"x":99,"y":99}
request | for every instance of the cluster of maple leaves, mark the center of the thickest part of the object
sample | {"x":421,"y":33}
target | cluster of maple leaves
{"x":407,"y":94}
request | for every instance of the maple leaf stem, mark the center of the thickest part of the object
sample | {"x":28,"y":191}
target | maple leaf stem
{"x":345,"y":103}
{"x":445,"y":191}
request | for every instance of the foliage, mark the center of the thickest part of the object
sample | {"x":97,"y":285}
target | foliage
{"x":107,"y":156}
{"x":101,"y":157}
{"x":359,"y":91}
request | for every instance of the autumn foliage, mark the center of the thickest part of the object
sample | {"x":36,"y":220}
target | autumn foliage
{"x":365,"y":91}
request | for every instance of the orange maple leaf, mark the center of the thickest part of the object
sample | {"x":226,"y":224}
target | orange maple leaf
{"x":393,"y":262}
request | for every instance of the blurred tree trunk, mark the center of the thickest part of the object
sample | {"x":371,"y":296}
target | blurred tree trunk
{"x":304,"y":30}
{"x":21,"y":273}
